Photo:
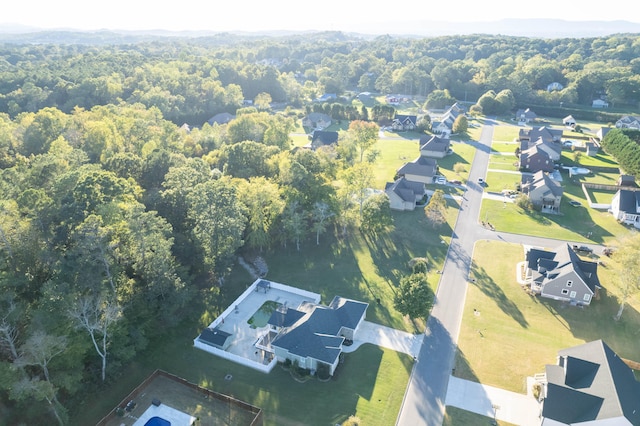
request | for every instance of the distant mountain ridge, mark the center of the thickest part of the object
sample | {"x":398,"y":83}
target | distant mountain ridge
{"x":522,"y":27}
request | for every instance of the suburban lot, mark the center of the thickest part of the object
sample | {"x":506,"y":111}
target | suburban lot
{"x":514,"y":335}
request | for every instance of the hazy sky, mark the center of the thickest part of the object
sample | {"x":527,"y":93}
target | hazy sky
{"x":255,"y":15}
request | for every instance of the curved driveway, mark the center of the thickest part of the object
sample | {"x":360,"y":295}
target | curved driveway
{"x":424,"y":399}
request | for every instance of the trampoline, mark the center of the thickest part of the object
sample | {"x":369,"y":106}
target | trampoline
{"x":157,"y":421}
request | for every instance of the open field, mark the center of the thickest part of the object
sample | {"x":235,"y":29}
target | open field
{"x":393,"y":154}
{"x":503,"y":162}
{"x":573,"y":224}
{"x":505,"y":133}
{"x":515,"y":335}
{"x":497,"y":181}
{"x":462,"y":153}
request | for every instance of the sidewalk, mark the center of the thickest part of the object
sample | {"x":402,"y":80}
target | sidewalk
{"x":512,"y":407}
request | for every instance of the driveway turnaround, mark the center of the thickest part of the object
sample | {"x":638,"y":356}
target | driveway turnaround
{"x":390,"y":338}
{"x":493,"y":402}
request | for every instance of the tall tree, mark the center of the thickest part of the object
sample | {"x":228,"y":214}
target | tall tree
{"x":436,"y":208}
{"x":364,"y":135}
{"x":96,"y":314}
{"x":320,"y":214}
{"x":414,"y":296}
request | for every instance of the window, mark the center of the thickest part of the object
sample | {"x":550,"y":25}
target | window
{"x":569,"y":283}
{"x":587,"y":297}
{"x":572,"y":295}
{"x":565,"y":291}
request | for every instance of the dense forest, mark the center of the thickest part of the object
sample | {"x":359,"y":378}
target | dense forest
{"x":114,"y":216}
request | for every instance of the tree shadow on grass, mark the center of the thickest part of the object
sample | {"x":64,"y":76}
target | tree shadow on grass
{"x":483,"y":281}
{"x":596,"y":321}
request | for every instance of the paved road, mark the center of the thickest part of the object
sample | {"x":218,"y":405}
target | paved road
{"x":425,"y":396}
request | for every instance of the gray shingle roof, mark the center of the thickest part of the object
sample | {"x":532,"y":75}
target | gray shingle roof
{"x":421,"y":166}
{"x":315,"y":334}
{"x":405,"y":189}
{"x":591,"y":382}
{"x":434,"y":143}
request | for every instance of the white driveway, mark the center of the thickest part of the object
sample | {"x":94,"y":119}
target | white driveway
{"x":390,"y":338}
{"x":512,"y":407}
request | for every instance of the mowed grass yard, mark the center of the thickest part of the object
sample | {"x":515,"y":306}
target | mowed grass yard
{"x":514,"y":334}
{"x":370,"y":383}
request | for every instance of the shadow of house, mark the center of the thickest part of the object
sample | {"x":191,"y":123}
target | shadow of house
{"x":562,"y":275}
{"x":590,"y":384}
{"x":322,"y":138}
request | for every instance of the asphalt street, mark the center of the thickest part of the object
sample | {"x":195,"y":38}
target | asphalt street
{"x":424,"y":400}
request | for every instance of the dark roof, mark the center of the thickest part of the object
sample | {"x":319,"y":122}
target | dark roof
{"x":541,"y":180}
{"x":324,"y":137}
{"x":406,"y":119}
{"x":315,"y":334}
{"x":536,"y":159}
{"x":421,"y":166}
{"x":629,"y":201}
{"x":591,"y":382}
{"x":551,"y":264}
{"x":214,"y":337}
{"x":434,"y":143}
{"x":405,"y":189}
{"x":285,"y":317}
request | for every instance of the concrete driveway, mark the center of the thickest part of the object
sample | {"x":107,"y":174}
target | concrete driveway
{"x":512,"y":407}
{"x":390,"y":338}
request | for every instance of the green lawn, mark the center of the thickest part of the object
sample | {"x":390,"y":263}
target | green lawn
{"x":503,"y":162}
{"x":393,"y":154}
{"x":505,"y":133}
{"x":462,"y":153}
{"x":572,"y":225}
{"x":497,"y":181}
{"x":509,"y":147}
{"x":455,"y":417}
{"x":514,"y":335}
{"x":600,"y":160}
{"x":372,"y":380}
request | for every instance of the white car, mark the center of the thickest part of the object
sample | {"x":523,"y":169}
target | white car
{"x":481,"y":181}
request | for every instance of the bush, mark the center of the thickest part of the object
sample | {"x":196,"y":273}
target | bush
{"x":419,"y":265}
{"x":324,"y":371}
{"x":352,"y":421}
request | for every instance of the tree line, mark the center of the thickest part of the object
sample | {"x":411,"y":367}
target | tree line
{"x":190,"y":80}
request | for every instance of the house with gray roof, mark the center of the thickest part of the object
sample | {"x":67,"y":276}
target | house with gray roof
{"x":403,"y":123}
{"x":403,"y":194}
{"x":534,"y":159}
{"x":544,"y":192}
{"x":525,"y":115}
{"x":316,"y":120}
{"x":546,"y":133}
{"x":444,"y":125}
{"x":433,"y":146}
{"x":561,"y":275}
{"x":313,"y":334}
{"x":422,"y":169}
{"x":628,"y":122}
{"x":625,"y":206}
{"x":590,"y":385}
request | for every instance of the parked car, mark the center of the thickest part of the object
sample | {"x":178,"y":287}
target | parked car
{"x":455,"y":182}
{"x":481,"y":181}
{"x":582,"y":249}
{"x":575,"y":203}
